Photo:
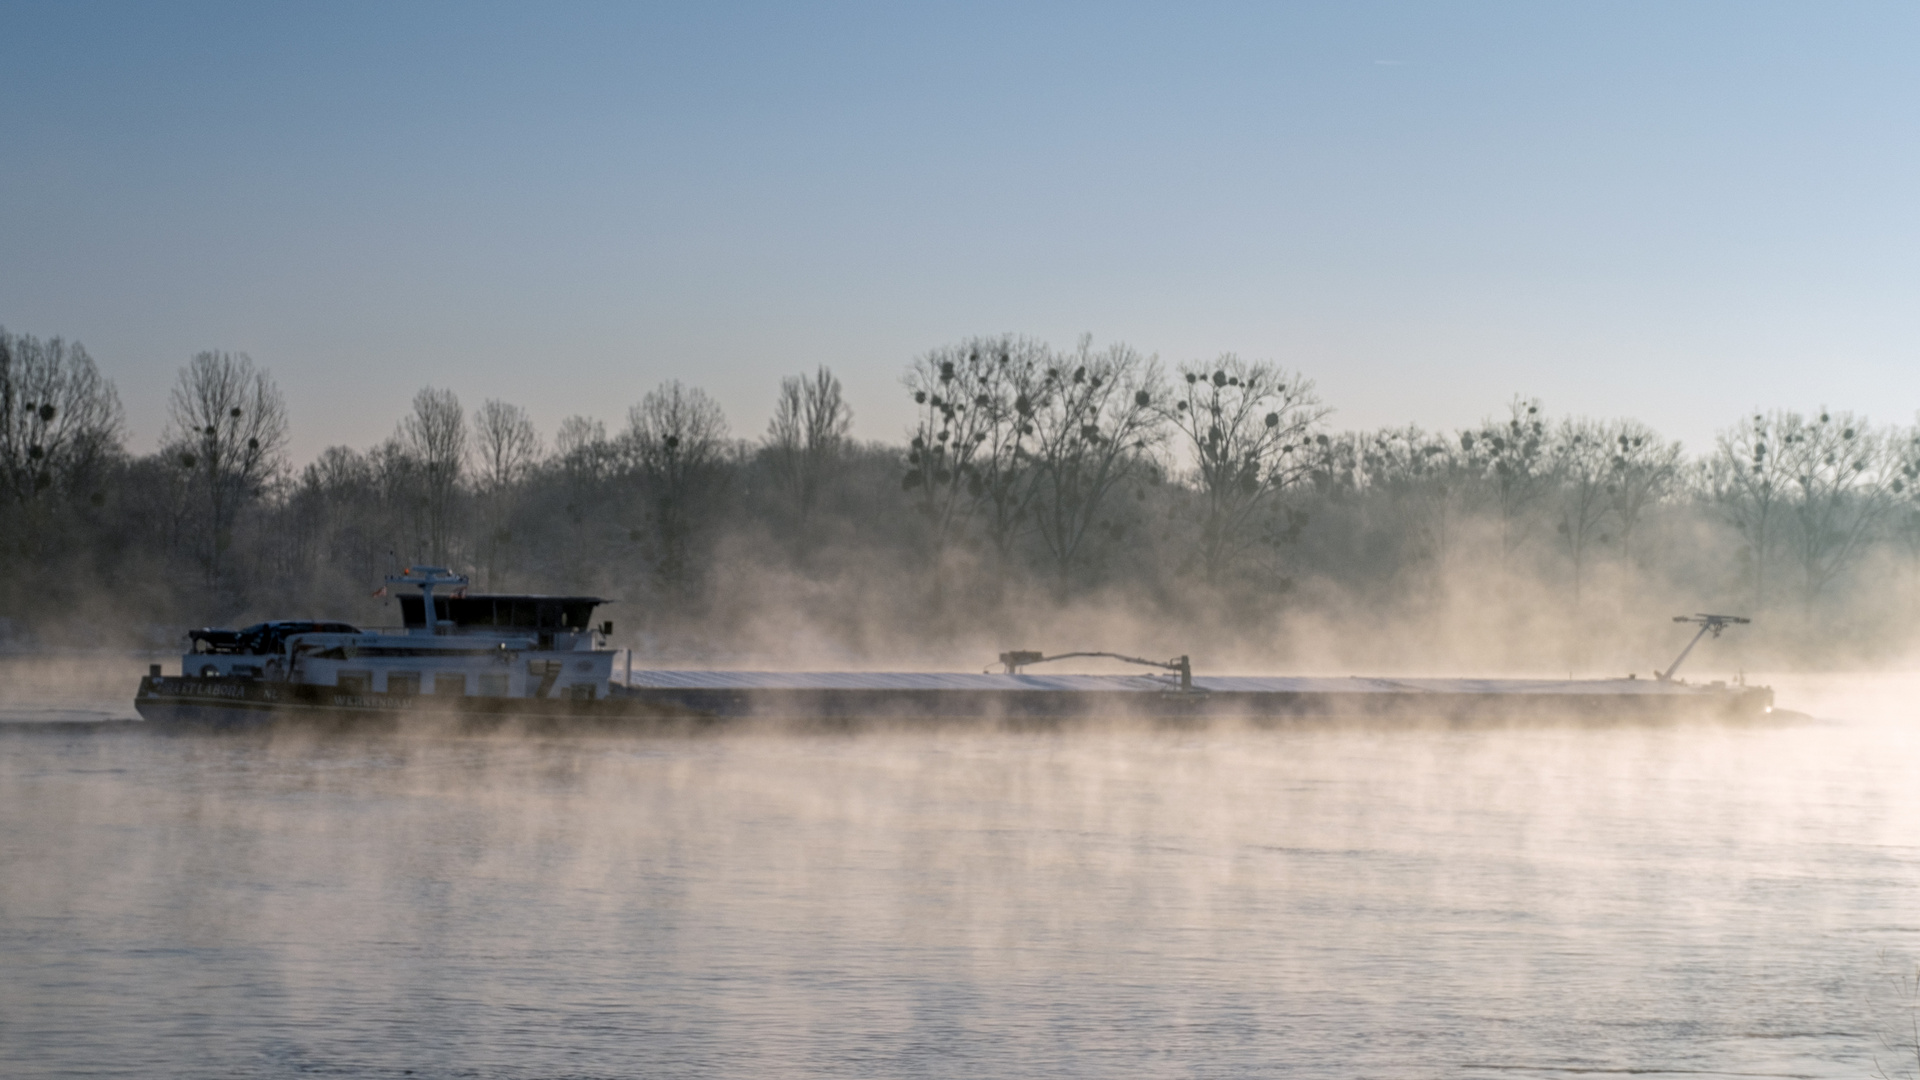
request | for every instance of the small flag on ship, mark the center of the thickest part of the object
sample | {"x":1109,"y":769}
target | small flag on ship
{"x":381,"y":591}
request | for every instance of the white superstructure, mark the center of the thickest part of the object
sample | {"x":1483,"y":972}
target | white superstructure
{"x":486,"y":645}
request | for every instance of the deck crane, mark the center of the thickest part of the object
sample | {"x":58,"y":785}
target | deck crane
{"x":1709,"y":624}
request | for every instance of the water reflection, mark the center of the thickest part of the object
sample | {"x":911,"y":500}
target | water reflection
{"x":1128,"y":902}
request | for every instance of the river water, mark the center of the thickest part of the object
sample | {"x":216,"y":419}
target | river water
{"x":1511,"y":902}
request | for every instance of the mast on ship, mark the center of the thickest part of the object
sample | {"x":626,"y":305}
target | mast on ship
{"x":427,"y":577}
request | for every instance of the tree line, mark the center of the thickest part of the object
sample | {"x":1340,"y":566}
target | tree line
{"x":1036,"y":481}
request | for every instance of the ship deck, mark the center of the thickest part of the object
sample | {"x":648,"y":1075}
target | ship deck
{"x":842,"y":699}
{"x":993,"y":682}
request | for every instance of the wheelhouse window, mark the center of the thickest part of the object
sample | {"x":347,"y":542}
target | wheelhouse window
{"x":354,"y":682}
{"x":403,"y":682}
{"x":543,"y":613}
{"x":493,"y":684}
{"x":449,"y":684}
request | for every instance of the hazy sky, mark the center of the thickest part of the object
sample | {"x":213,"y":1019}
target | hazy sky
{"x":1669,"y":211}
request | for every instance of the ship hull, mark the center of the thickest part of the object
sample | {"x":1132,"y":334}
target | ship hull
{"x":229,"y":702}
{"x":239,"y":703}
{"x":1263,"y":707}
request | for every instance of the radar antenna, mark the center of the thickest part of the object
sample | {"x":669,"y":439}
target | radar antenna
{"x":1709,"y":624}
{"x":1018,"y":659}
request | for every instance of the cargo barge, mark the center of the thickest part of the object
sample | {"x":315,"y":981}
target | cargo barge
{"x":481,"y":661}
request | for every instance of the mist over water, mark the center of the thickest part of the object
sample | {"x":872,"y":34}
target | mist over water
{"x":1130,"y":901}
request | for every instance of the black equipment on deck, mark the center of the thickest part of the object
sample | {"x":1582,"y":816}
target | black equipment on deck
{"x":1020,"y":658}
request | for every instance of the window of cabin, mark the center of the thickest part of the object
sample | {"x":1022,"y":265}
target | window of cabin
{"x":354,"y":682}
{"x":493,"y":684}
{"x":403,"y":682}
{"x":581,"y":690}
{"x":449,"y":684}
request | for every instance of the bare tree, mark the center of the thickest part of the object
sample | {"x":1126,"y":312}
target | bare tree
{"x":1249,"y":429}
{"x":60,"y":432}
{"x":1006,"y":476}
{"x":676,"y":440}
{"x":586,"y":464}
{"x":1098,"y":425}
{"x":1643,"y":470}
{"x":1840,"y":486}
{"x":507,"y":447}
{"x":434,"y":438}
{"x":971,"y":464}
{"x":806,"y":438}
{"x":1423,"y":477}
{"x":319,"y":508}
{"x":1582,"y":466}
{"x":950,"y":388}
{"x":582,"y":449}
{"x":1515,"y":465}
{"x":332,"y":520}
{"x":972,"y":458}
{"x":1746,"y":480}
{"x":60,"y":444}
{"x":1903,"y":451}
{"x":60,"y":421}
{"x":227,"y":429}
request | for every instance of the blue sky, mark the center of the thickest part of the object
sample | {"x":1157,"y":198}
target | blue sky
{"x":1675,"y":212}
